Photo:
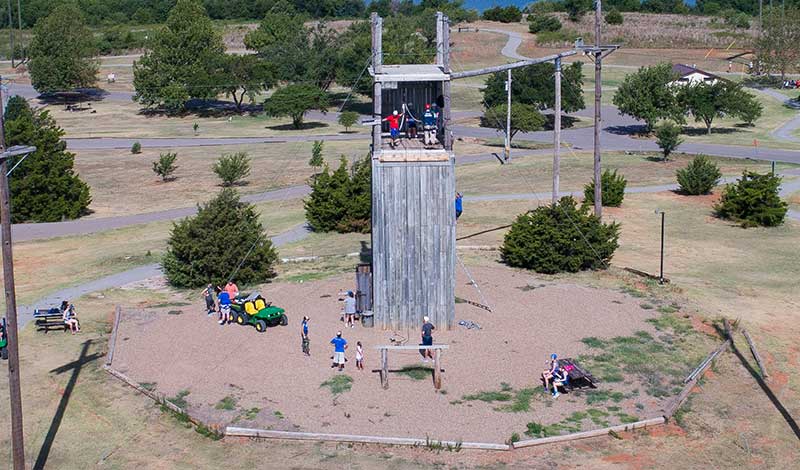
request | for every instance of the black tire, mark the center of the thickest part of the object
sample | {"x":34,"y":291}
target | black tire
{"x":284,"y":320}
{"x":232,"y":317}
{"x":4,"y":354}
{"x":242,"y":318}
{"x":261,"y":326}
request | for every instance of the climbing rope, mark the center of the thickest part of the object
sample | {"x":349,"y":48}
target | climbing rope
{"x":485,"y":304}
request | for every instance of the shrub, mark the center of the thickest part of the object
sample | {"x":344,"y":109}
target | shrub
{"x":44,"y":187}
{"x":348,"y":119}
{"x":753,"y":200}
{"x":341,"y":201}
{"x":699,"y":177}
{"x":509,"y":14}
{"x":232,"y":168}
{"x":558,"y":238}
{"x":668,"y":138}
{"x":316,"y":161}
{"x":225,"y":234}
{"x":165,"y":166}
{"x":136,"y":148}
{"x":613,"y":189}
{"x":614,"y":17}
{"x":543,"y":23}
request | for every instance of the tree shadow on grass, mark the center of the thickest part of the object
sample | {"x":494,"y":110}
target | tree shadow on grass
{"x":74,"y":367}
{"x":304,"y":126}
{"x":78,"y":95}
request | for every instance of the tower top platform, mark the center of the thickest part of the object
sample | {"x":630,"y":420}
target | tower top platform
{"x":411,"y":73}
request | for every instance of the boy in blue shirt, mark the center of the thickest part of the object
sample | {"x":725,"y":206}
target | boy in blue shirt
{"x":339,"y":345}
{"x":224,"y":307}
{"x":304,"y":336}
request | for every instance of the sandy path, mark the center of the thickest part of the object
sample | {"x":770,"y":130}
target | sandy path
{"x":267,"y":371}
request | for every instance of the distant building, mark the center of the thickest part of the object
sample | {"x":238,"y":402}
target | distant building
{"x":690,"y":75}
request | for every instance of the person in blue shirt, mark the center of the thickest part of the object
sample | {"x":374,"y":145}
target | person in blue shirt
{"x":459,"y":205}
{"x":339,"y":346}
{"x":304,"y":336}
{"x":429,"y":118}
{"x":224,"y":299}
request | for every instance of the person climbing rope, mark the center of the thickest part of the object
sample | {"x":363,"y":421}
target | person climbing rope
{"x":459,"y":205}
{"x":429,"y":126}
{"x":394,"y":126}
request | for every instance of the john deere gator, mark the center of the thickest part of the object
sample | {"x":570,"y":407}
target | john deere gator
{"x":256,"y":311}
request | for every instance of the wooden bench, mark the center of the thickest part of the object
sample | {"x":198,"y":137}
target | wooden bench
{"x":578,"y":376}
{"x":437,"y":370}
{"x":51,"y":319}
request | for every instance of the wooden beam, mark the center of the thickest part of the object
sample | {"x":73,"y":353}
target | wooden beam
{"x":309,"y":436}
{"x":112,"y":341}
{"x":437,"y":371}
{"x":756,"y":356}
{"x":512,"y":65}
{"x":384,"y":368}
{"x":413,"y":347}
{"x":707,"y":361}
{"x":593,"y":433}
{"x":676,"y":403}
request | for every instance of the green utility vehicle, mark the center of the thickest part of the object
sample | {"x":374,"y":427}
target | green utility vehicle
{"x":3,"y":340}
{"x":254,"y":310}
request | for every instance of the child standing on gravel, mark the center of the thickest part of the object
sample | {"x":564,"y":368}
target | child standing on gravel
{"x":306,"y":343}
{"x":224,"y":307}
{"x":359,"y":356}
{"x":211,"y":305}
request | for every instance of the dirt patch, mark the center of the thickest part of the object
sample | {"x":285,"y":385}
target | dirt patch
{"x":630,"y":461}
{"x":191,"y":352}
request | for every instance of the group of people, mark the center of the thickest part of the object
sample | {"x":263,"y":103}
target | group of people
{"x":791,"y":83}
{"x":222,"y":304}
{"x":556,"y":375}
{"x":406,"y":120}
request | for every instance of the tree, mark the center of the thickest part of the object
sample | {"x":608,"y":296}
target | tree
{"x":245,"y":76}
{"x":44,"y":187}
{"x":136,"y":148}
{"x":777,"y":46}
{"x":561,"y":237}
{"x":183,"y":61}
{"x":232,"y":168}
{"x":646,"y":95}
{"x":699,"y":177}
{"x":614,"y":17}
{"x":341,"y":201}
{"x":316,"y":161}
{"x":348,"y":119}
{"x":668,"y":138}
{"x":753,"y":200}
{"x":543,"y":23}
{"x":62,"y":52}
{"x":524,"y":117}
{"x":225,"y":236}
{"x":165,"y":166}
{"x":509,"y":14}
{"x":294,"y":100}
{"x":577,"y":8}
{"x":612,"y":189}
{"x":708,"y":101}
{"x":534,"y":85}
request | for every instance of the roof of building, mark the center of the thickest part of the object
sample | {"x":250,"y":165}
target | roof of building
{"x":410,"y":73}
{"x":683,"y":70}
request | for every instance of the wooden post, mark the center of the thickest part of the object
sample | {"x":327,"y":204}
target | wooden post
{"x":557,"y":133}
{"x":507,"y":152}
{"x":598,"y":92}
{"x":728,"y":331}
{"x":112,"y":341}
{"x":440,"y":38}
{"x":756,"y":356}
{"x":437,"y":369}
{"x":377,"y":67}
{"x":448,"y":134}
{"x":385,"y":368}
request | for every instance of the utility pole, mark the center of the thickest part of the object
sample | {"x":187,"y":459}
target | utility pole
{"x":508,"y":118}
{"x":598,"y":91}
{"x":557,"y":133}
{"x":18,"y":449}
{"x":11,"y":34}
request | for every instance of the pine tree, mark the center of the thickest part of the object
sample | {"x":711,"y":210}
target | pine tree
{"x":341,"y":202}
{"x":225,"y":234}
{"x":44,"y":187}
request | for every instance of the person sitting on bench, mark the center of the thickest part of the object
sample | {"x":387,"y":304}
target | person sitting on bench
{"x":560,"y":378}
{"x":70,"y":318}
{"x":549,"y":373}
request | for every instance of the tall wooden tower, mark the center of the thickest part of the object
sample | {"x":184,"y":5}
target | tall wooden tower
{"x":413,"y":192}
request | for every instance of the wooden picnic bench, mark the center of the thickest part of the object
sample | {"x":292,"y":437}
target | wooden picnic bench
{"x":50,"y":319}
{"x":578,"y":377}
{"x":437,"y":370}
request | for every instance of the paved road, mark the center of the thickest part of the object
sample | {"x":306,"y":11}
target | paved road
{"x":132,"y":275}
{"x":785,"y":132}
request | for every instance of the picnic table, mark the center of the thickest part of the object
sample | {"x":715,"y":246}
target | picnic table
{"x":49,"y":319}
{"x":578,"y":377}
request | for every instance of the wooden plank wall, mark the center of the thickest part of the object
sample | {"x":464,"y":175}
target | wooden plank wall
{"x":413,"y":243}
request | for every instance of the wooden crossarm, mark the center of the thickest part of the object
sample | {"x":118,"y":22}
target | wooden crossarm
{"x":413,"y":348}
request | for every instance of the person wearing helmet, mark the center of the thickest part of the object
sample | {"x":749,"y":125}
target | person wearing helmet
{"x":429,"y":126}
{"x":394,"y":126}
{"x":549,"y":373}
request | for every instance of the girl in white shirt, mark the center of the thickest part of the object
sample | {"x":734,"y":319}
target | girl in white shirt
{"x":359,"y":356}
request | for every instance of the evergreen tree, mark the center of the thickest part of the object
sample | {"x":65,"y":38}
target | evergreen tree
{"x":44,"y":187}
{"x":183,"y":61}
{"x":612,"y":190}
{"x":699,"y":177}
{"x":753,"y":200}
{"x":62,"y":52}
{"x":225,"y":234}
{"x":341,"y":202}
{"x":316,"y":161}
{"x":562,"y":237}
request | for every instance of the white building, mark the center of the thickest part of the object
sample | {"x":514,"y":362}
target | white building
{"x":690,"y":75}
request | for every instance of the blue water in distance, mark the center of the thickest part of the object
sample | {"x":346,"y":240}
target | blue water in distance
{"x":481,"y":5}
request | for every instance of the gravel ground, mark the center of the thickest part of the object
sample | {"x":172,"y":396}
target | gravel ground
{"x":268,"y":373}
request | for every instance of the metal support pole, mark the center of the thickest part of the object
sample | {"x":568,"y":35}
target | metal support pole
{"x":17,"y":443}
{"x":773,"y":167}
{"x":557,"y":133}
{"x":598,"y":91}
{"x":507,"y":151}
{"x":11,"y":34}
{"x":661,"y":271}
